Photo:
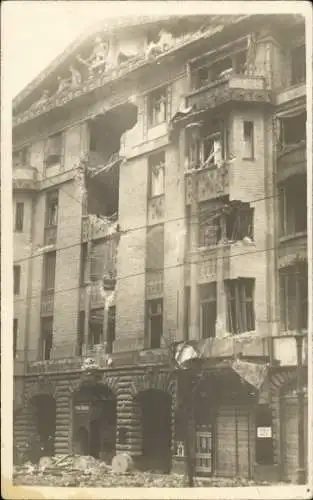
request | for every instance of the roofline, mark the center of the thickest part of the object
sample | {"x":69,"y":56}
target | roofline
{"x":113,"y":26}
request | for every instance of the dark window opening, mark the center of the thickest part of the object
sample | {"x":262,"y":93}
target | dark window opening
{"x":156,"y":174}
{"x":111,"y":328}
{"x":47,"y":337}
{"x":15,"y":333}
{"x":81,"y":333}
{"x":52,"y":202}
{"x":298,"y":65}
{"x":53,"y":150}
{"x":83,"y":264}
{"x":240,"y":305}
{"x":19,"y":217}
{"x":208,"y":310}
{"x":294,"y":297}
{"x":239,"y":222}
{"x":155,"y":322}
{"x":293,"y":130}
{"x":293,"y":206}
{"x":264,"y":452}
{"x":157,"y":107}
{"x":96,"y":326}
{"x":49,"y":271}
{"x":248,"y":140}
{"x":16,"y":279}
{"x":155,"y":248}
{"x":210,"y":147}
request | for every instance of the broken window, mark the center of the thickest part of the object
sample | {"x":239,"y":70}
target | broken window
{"x":293,"y":129}
{"x":238,"y":220}
{"x":211,"y":148}
{"x":298,"y":65}
{"x":294,"y":296}
{"x":46,"y":337}
{"x":248,"y":140}
{"x":53,"y":150}
{"x":52,"y":201}
{"x":155,"y":248}
{"x":293,"y":206}
{"x":209,"y":222}
{"x":156,"y":174}
{"x":240,"y":305}
{"x":155,"y":322}
{"x":208,"y":310}
{"x":157,"y":107}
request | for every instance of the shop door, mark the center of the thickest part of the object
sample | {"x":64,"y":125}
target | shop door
{"x":204,"y":451}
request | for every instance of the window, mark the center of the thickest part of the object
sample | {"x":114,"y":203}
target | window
{"x":111,"y":328}
{"x":294,"y":297}
{"x":248,"y":140}
{"x":83,"y":263}
{"x":21,"y":157}
{"x":96,"y":326}
{"x":15,"y":333}
{"x":264,"y":453}
{"x":208,"y":310}
{"x":53,"y":150}
{"x":81,"y":332}
{"x":49,"y":271}
{"x":209,"y":150}
{"x":16,"y":279}
{"x":46,"y":337}
{"x":157,"y":107}
{"x":52,"y":202}
{"x":293,"y":206}
{"x":240,"y":305}
{"x":155,"y":248}
{"x":298,"y":65}
{"x":293,"y":129}
{"x":156,"y":174}
{"x":155,"y":322}
{"x":19,"y":217}
{"x":239,"y":222}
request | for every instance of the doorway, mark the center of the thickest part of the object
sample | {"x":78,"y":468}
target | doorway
{"x":156,"y":429}
{"x":45,"y":411}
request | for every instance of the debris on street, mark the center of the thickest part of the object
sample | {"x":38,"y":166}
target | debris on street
{"x":85,"y":471}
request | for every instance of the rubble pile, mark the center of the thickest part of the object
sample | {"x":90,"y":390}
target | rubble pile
{"x":85,"y":471}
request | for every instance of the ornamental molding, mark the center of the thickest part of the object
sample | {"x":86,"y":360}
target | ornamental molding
{"x":153,"y":379}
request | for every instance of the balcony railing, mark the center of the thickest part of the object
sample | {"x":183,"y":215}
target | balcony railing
{"x":47,"y":303}
{"x":229,"y":88}
{"x":24,"y":177}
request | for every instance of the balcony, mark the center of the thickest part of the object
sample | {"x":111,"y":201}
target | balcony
{"x":24,"y":178}
{"x":47,"y":303}
{"x":211,"y":182}
{"x":295,"y":92}
{"x":98,"y":227}
{"x":230,"y":88}
{"x":291,"y":161}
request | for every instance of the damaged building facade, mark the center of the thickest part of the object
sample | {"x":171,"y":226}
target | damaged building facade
{"x":159,"y":181}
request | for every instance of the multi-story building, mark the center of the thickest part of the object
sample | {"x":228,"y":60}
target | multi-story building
{"x":159,"y":179}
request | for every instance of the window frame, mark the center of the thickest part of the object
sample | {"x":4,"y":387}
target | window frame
{"x":48,"y":320}
{"x":17,"y":279}
{"x":294,"y":57}
{"x":237,"y":303}
{"x":59,"y":156}
{"x":149,"y":318}
{"x":52,"y":200}
{"x":46,"y":278}
{"x":151,"y":106}
{"x":19,"y":217}
{"x":290,"y":209}
{"x":160,"y":166}
{"x":288,"y":301}
{"x":211,"y":299}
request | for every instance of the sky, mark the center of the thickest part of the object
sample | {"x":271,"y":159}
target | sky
{"x":35,"y":32}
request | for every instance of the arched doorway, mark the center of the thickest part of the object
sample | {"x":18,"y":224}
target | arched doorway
{"x":94,"y":421}
{"x":156,"y":425}
{"x":44,"y":406}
